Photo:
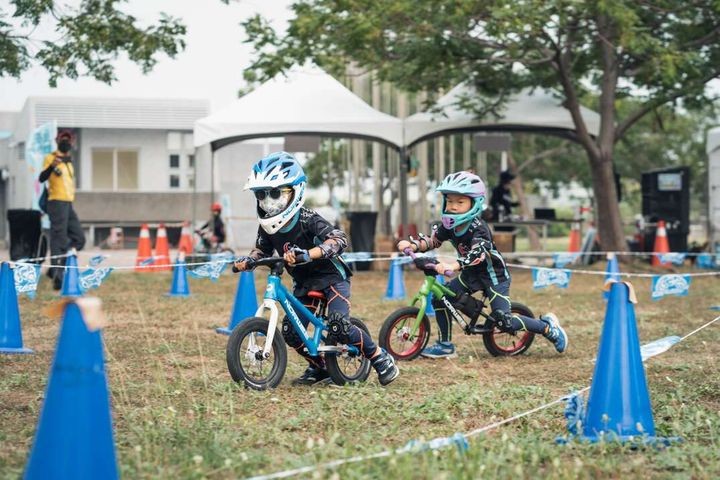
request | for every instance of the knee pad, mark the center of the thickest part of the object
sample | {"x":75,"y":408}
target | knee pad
{"x":289,"y":334}
{"x":503,"y":320}
{"x":338,"y":327}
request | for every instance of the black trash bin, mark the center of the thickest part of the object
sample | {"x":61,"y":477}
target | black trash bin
{"x":25,"y":234}
{"x":362,"y":234}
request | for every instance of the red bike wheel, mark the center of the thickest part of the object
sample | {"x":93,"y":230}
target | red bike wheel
{"x":396,"y":337}
{"x":506,"y":344}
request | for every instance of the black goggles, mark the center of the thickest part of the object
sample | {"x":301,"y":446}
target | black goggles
{"x":274,"y":193}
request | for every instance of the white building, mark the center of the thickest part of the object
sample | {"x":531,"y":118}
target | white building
{"x":135,"y":163}
{"x":134,"y":159}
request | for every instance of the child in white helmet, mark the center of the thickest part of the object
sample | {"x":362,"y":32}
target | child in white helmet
{"x":480,"y":264}
{"x":311,"y":247}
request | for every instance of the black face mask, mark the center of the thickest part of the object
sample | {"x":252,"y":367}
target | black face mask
{"x":64,"y":146}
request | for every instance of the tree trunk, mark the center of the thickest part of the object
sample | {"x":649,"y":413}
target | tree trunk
{"x":610,"y":230}
{"x":524,"y":209}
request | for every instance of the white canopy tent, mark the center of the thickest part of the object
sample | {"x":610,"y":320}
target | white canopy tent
{"x":306,"y":102}
{"x":528,"y":111}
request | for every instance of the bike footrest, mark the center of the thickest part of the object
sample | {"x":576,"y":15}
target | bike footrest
{"x":478,"y":330}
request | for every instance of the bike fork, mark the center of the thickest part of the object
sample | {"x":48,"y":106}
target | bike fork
{"x":272,"y":325}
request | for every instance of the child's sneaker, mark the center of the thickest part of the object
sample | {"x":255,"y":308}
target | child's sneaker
{"x":384,"y":365}
{"x":311,"y":376}
{"x":440,"y":350}
{"x":555,"y":333}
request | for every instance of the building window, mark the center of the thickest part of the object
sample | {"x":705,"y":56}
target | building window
{"x":114,"y":169}
{"x":174,"y":161}
{"x":21,"y":151}
{"x":191,"y":161}
{"x":174,"y":181}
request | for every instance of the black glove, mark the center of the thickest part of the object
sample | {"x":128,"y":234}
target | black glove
{"x":302,"y":256}
{"x":249,"y":263}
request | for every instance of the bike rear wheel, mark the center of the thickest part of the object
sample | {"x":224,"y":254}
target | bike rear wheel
{"x":244,"y":355}
{"x":396,"y":337}
{"x":348,"y":367}
{"x":506,"y":344}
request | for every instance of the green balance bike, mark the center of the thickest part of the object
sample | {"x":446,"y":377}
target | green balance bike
{"x":406,"y":331}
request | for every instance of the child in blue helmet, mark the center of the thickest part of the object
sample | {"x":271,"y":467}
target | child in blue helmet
{"x":311,"y":247}
{"x":480,"y":264}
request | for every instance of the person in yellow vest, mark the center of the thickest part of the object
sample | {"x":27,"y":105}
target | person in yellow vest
{"x":65,"y":229}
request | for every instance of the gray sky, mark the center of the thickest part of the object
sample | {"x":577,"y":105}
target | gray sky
{"x":209,"y":68}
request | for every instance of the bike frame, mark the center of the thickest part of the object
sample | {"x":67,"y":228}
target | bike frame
{"x":431,"y":286}
{"x":276,"y":293}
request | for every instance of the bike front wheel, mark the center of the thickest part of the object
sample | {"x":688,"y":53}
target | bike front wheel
{"x":501,"y":343}
{"x":396,"y":335}
{"x":245,"y":359}
{"x":348,"y":367}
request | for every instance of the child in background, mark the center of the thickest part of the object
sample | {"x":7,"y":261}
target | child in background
{"x":312,"y":248}
{"x":480,"y":264}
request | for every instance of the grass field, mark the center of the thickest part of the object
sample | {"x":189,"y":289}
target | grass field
{"x":178,"y":415}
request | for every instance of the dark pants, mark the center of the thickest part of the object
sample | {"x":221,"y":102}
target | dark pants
{"x":338,"y":300}
{"x":499,"y":296}
{"x":65,"y":231}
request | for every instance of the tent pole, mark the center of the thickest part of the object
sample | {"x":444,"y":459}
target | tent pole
{"x":212,"y":177}
{"x":404,"y":164}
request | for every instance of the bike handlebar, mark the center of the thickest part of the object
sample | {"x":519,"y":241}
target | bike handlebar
{"x":425,"y":263}
{"x":263,"y":262}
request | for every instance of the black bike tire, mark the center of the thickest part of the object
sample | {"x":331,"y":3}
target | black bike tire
{"x":336,"y":373}
{"x":232,"y":354}
{"x":491,"y":345}
{"x":386,"y":330}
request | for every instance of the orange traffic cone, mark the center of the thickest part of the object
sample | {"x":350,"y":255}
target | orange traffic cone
{"x":186,"y":241}
{"x":661,"y":246}
{"x":574,"y":245}
{"x":144,"y":251}
{"x":162,"y":249}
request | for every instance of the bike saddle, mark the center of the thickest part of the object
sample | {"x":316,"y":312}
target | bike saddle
{"x":316,"y":294}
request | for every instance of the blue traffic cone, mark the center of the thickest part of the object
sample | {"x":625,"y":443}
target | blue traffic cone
{"x":396,"y":285}
{"x":180,"y":286}
{"x":430,"y":310}
{"x":245,"y":302}
{"x":11,"y":340}
{"x":71,"y":279}
{"x":618,"y":407}
{"x":74,"y":437}
{"x":611,"y":272}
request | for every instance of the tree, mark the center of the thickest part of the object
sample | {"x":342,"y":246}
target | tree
{"x":87,"y":40}
{"x":656,"y":52}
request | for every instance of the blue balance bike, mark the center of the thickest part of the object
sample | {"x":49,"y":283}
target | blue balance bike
{"x":256,"y":351}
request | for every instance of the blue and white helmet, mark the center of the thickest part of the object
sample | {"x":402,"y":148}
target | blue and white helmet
{"x":462,"y":183}
{"x":278,"y":182}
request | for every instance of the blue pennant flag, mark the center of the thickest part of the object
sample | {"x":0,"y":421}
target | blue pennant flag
{"x":672,"y":284}
{"x":705,"y":260}
{"x":96,"y":260}
{"x":562,"y":259}
{"x":27,"y":276}
{"x":93,"y":277}
{"x":675,"y":258}
{"x":211,"y":270}
{"x":545,"y":277}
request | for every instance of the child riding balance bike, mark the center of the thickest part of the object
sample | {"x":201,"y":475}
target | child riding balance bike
{"x":480,"y":265}
{"x":311,"y":248}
